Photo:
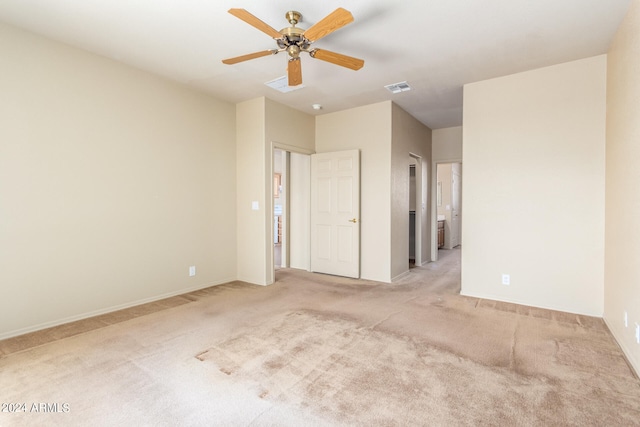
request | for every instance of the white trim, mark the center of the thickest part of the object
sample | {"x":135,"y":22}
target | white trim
{"x":401,"y":276}
{"x":419,"y":165}
{"x":501,"y":298}
{"x":627,"y":352}
{"x":290,"y":148}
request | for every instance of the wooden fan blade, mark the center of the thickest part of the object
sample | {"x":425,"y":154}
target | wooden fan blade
{"x":255,"y":22}
{"x":330,"y":23}
{"x":294,"y":71}
{"x":338,"y":59}
{"x":249,"y":56}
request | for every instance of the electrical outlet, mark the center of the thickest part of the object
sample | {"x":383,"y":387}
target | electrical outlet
{"x":506,"y":279}
{"x":626,"y":320}
{"x":192,"y":271}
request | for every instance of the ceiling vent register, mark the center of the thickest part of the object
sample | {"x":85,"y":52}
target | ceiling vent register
{"x":398,"y":87}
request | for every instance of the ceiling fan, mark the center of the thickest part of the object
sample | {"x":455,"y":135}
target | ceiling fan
{"x":295,"y":40}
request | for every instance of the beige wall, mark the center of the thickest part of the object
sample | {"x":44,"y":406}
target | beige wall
{"x":251,"y":179}
{"x":368,"y":129}
{"x":112,"y":183}
{"x":289,"y":127}
{"x":622,"y":237}
{"x":447,"y":144}
{"x":533,"y":188}
{"x":409,"y":137}
{"x":261,"y":123}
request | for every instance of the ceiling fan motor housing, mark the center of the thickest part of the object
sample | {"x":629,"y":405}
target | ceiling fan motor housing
{"x":293,"y":41}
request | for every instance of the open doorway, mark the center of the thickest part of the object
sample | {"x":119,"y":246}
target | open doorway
{"x":416,"y":209}
{"x":291,"y":206}
{"x":449,"y":205}
{"x":279,"y":208}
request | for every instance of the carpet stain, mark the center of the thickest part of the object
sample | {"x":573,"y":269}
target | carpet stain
{"x":273,"y":365}
{"x":357,"y":374}
{"x":225,"y":364}
{"x":361,"y":369}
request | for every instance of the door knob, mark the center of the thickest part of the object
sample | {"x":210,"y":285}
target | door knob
{"x":353,"y":220}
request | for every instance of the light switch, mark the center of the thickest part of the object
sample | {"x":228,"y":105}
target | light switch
{"x":255,"y":206}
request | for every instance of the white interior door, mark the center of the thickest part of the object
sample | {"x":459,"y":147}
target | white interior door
{"x":335,"y":213}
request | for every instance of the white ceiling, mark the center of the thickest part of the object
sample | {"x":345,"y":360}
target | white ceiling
{"x":435,"y":45}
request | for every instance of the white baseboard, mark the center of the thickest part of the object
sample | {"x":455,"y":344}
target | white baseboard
{"x":99,"y":312}
{"x":400,"y":276}
{"x":627,"y":352}
{"x":528,"y":304}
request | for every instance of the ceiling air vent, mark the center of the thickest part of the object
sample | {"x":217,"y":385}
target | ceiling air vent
{"x":398,"y":87}
{"x":281,"y":85}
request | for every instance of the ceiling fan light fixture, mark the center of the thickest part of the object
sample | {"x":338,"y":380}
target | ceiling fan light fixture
{"x":398,"y":87}
{"x":294,"y":51}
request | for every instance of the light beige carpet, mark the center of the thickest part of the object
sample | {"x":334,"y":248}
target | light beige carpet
{"x":321,"y":350}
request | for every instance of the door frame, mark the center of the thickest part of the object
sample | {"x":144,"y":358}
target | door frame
{"x":458,"y":212}
{"x":434,"y":203}
{"x":419,"y":210}
{"x":269,"y":216}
